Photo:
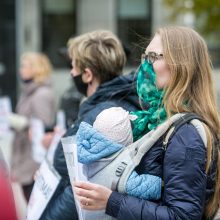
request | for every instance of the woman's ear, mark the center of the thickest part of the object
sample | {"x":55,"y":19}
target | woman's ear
{"x":87,"y":76}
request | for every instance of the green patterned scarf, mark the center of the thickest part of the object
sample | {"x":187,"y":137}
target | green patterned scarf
{"x":147,"y":120}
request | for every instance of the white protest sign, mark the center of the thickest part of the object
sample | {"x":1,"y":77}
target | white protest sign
{"x":74,"y":168}
{"x":37,"y":130}
{"x":68,"y":145}
{"x":61,"y":120}
{"x":5,"y":110}
{"x":80,"y":173}
{"x":45,"y":185}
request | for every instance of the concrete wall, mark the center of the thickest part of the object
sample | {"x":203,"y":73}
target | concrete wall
{"x":28,"y":15}
{"x":28,"y":29}
{"x":96,"y":14}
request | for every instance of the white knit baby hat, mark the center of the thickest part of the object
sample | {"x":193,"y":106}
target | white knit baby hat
{"x":114,"y":123}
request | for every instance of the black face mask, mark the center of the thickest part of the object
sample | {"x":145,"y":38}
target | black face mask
{"x":27,"y":81}
{"x":80,"y":85}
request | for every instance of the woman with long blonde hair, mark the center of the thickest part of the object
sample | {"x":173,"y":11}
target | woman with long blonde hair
{"x":178,"y":60}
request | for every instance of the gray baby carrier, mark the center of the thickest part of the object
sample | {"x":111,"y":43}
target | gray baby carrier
{"x":114,"y":171}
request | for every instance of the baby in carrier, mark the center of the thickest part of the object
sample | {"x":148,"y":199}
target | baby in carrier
{"x":111,"y":133}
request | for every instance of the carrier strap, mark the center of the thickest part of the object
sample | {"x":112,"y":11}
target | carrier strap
{"x":142,"y":146}
{"x":188,"y":117}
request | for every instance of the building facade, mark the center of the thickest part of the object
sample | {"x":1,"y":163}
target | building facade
{"x":46,"y":25}
{"x":51,"y":23}
{"x":8,"y":49}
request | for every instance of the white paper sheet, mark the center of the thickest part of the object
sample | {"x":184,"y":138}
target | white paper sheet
{"x":5,"y":110}
{"x":44,"y":187}
{"x":74,"y":167}
{"x":37,"y":130}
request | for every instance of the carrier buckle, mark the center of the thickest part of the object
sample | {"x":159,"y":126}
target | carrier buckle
{"x":120,"y":169}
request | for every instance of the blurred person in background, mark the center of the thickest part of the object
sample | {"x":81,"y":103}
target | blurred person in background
{"x":98,"y":59}
{"x":36,"y":100}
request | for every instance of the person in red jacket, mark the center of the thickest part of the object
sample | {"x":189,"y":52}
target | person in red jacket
{"x":7,"y":205}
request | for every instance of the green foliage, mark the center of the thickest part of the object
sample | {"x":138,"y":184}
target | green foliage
{"x":207,"y":13}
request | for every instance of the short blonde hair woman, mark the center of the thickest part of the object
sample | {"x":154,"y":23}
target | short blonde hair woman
{"x":178,"y":60}
{"x":101,"y":51}
{"x":97,"y":62}
{"x":38,"y":64}
{"x":36,"y":100}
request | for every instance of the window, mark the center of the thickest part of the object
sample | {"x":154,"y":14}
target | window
{"x":58,"y":25}
{"x":134,"y":22}
{"x":8,"y":50}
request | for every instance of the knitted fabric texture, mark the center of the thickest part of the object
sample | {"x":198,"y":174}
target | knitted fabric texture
{"x":115,"y":124}
{"x":148,"y":93}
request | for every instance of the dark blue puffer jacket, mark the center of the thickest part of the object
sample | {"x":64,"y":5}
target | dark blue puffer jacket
{"x":186,"y":185}
{"x":119,"y":92}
